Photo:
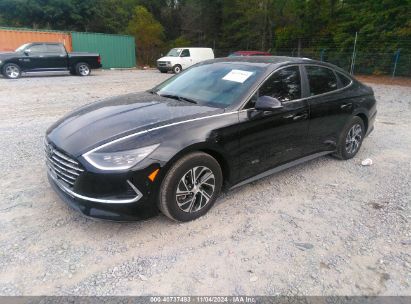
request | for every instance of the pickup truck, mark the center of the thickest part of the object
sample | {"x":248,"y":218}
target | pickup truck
{"x":46,"y":57}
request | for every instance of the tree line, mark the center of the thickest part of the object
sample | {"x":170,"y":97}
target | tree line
{"x":289,"y":27}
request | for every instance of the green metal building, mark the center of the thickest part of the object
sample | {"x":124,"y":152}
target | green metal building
{"x":117,"y":51}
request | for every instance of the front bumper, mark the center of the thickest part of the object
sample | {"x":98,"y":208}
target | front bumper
{"x":141,"y":209}
{"x":163,"y":66}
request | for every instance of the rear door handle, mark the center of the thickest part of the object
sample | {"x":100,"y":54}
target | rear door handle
{"x":346,"y":105}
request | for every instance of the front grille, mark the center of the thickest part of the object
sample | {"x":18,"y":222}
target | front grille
{"x":62,"y":166}
{"x":162,"y":63}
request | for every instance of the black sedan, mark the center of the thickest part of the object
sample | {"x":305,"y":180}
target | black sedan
{"x":218,"y":125}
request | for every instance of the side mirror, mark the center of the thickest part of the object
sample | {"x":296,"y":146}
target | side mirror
{"x":267,"y":103}
{"x":27,"y":52}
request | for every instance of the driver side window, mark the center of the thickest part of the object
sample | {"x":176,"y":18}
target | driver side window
{"x":285,"y":85}
{"x":37,"y":48}
{"x":185,"y":53}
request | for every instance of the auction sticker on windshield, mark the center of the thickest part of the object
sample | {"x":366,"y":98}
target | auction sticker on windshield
{"x":237,"y":76}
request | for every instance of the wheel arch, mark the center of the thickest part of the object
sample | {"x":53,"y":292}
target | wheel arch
{"x":219,"y":155}
{"x":364,"y":118}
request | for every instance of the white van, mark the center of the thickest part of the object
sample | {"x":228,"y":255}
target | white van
{"x":179,"y":59}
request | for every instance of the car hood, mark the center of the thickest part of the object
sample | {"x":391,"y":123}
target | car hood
{"x":168,"y":58}
{"x":4,"y":55}
{"x":100,"y":122}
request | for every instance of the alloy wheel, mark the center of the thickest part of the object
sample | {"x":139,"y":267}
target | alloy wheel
{"x":12,"y":71}
{"x":353,"y":139}
{"x":84,"y":70}
{"x":195,"y":189}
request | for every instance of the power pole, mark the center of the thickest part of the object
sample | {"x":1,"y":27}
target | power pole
{"x":354,"y":54}
{"x":397,"y":57}
{"x":322,"y":54}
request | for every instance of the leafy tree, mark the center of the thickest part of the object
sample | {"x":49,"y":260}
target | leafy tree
{"x":149,"y":34}
{"x":284,"y":27}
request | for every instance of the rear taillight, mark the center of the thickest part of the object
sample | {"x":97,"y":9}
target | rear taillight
{"x":99,"y":59}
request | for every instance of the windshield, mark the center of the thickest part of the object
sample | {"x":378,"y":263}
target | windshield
{"x":174,"y":53}
{"x":22,"y":47}
{"x":216,"y":84}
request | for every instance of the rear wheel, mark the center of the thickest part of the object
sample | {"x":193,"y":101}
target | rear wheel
{"x":351,"y":139}
{"x":11,"y":71}
{"x":191,"y":187}
{"x":82,"y":69}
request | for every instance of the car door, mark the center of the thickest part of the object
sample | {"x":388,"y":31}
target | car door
{"x":34,"y":57}
{"x":271,"y":138}
{"x":55,"y":57}
{"x":186,"y":59}
{"x":329,"y":108}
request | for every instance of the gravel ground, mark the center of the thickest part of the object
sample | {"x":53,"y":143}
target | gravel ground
{"x":327,"y":227}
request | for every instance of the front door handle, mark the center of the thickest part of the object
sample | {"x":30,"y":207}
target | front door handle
{"x":300,"y":117}
{"x":346,"y":106}
{"x":296,"y":116}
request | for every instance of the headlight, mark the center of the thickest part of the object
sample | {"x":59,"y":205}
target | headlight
{"x":118,"y":160}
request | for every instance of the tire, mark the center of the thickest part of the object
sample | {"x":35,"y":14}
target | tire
{"x":188,"y":206}
{"x":177,"y":69}
{"x":83,"y":69}
{"x":11,"y":71}
{"x":350,"y":139}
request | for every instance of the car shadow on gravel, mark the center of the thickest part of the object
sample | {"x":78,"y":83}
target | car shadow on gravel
{"x":162,"y":221}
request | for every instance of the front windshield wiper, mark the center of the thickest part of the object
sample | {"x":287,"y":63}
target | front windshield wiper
{"x":180,"y":98}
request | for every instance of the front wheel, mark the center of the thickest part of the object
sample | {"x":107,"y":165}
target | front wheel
{"x":11,"y":71}
{"x":191,"y":187}
{"x":351,"y":139}
{"x":177,"y":69}
{"x":82,"y":69}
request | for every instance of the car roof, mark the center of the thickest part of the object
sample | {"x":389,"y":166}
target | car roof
{"x":44,"y":42}
{"x":192,"y":47}
{"x":249,"y":52}
{"x":274,"y":61}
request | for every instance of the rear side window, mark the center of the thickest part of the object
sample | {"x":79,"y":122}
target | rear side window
{"x":345,"y":81}
{"x":54,"y":48}
{"x":285,"y":84}
{"x":321,"y":80}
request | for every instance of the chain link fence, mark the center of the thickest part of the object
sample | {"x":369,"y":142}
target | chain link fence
{"x":366,"y":63}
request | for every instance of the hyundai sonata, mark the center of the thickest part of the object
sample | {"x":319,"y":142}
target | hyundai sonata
{"x":218,"y":125}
